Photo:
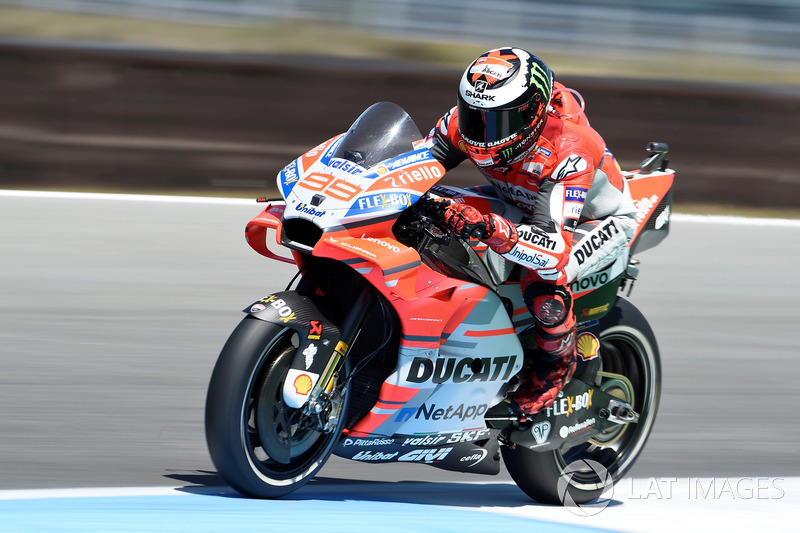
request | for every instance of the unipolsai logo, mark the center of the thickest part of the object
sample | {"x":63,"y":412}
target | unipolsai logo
{"x":585,"y":472}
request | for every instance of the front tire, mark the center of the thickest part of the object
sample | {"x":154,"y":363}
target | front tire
{"x":583,"y":473}
{"x":262,"y":447}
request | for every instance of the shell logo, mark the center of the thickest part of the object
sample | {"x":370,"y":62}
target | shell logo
{"x":587,"y":346}
{"x":303,"y":384}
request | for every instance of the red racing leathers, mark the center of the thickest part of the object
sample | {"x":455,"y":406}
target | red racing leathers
{"x":580,"y":215}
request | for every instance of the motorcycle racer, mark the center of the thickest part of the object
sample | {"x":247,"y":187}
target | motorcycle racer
{"x":528,"y":135}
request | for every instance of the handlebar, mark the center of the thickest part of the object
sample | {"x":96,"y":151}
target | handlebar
{"x":657,"y":152}
{"x":427,"y":216}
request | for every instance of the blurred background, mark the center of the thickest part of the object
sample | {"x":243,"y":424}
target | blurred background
{"x":216,"y":96}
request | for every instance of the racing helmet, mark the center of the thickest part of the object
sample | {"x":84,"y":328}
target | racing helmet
{"x":502,"y":105}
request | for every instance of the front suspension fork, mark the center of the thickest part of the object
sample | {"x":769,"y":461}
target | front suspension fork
{"x":326,"y":399}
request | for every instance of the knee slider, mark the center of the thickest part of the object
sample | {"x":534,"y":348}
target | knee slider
{"x":551,"y":305}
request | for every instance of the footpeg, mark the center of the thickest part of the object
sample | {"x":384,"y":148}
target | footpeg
{"x":620,"y":413}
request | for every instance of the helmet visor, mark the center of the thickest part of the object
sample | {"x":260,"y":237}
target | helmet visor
{"x":485,"y":126}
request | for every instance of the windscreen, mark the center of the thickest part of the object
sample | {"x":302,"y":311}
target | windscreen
{"x":383,"y":131}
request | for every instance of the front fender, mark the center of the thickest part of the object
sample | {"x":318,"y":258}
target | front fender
{"x":319,"y":340}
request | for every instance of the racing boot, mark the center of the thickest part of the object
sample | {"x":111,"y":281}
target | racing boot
{"x":551,"y":307}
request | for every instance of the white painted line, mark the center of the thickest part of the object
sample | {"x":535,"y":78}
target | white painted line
{"x":671,"y":504}
{"x":92,"y":492}
{"x":53,"y":195}
{"x":652,"y":505}
{"x":675,"y":217}
{"x":735,"y":221}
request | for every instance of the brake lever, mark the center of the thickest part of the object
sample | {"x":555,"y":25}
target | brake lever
{"x":435,"y":233}
{"x":430,"y":228}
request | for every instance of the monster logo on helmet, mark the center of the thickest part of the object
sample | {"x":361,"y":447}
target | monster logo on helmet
{"x":502,"y":105}
{"x":542,"y":78}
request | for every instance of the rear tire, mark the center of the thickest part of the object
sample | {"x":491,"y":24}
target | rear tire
{"x":585,"y":472}
{"x":262,"y":447}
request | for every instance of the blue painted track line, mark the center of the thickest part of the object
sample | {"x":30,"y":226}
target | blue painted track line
{"x":218,"y":510}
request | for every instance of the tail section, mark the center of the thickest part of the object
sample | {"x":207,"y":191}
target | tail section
{"x":651,"y":190}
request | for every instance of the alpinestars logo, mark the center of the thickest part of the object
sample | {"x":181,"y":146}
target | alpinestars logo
{"x":572,"y":165}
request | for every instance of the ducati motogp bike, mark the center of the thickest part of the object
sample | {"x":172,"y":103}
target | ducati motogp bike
{"x":400,"y":342}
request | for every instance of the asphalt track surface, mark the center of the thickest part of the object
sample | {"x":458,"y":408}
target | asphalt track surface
{"x":113,"y":310}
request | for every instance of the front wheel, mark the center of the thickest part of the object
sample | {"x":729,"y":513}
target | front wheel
{"x":631,"y":370}
{"x":262,"y":447}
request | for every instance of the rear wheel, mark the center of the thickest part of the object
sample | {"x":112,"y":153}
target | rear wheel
{"x":631,"y":370}
{"x":262,"y":447}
